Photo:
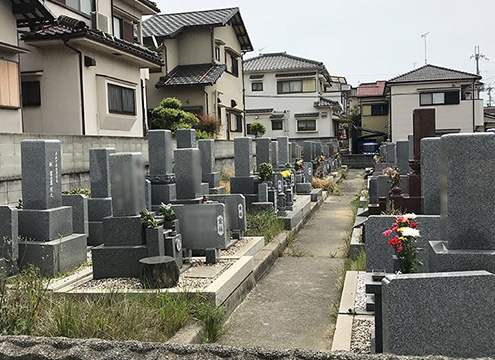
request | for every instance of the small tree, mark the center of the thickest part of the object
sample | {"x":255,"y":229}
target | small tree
{"x":266,"y":171}
{"x":169,"y":115}
{"x":257,"y":129}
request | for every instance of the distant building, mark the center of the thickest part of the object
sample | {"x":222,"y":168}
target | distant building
{"x":203,"y":54}
{"x":84,"y":72}
{"x":374,"y":109}
{"x":290,"y":95}
{"x":453,"y":94}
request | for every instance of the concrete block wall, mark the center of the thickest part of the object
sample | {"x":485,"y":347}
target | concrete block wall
{"x":357,"y":161}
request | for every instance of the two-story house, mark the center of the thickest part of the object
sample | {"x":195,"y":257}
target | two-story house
{"x":84,"y":73}
{"x":453,"y":94}
{"x":373,"y":106}
{"x":285,"y":93}
{"x":203,"y":55}
{"x":14,"y":15}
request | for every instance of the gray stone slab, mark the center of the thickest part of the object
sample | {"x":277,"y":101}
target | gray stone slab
{"x":9,"y":248}
{"x":263,"y":151}
{"x":147,"y":194}
{"x":123,"y":231}
{"x":99,"y":208}
{"x":155,"y":241}
{"x":126,"y":176}
{"x":243,"y":156}
{"x":99,"y":169}
{"x":213,"y":179}
{"x":274,"y":154}
{"x":173,"y":248}
{"x":308,"y":172}
{"x":188,"y":174}
{"x":318,"y":148}
{"x":283,"y":151}
{"x":242,"y":185}
{"x":316,"y":195}
{"x":379,"y":252}
{"x":160,"y":154}
{"x":41,"y":163}
{"x":235,"y":210}
{"x":262,"y":206}
{"x":304,"y":188}
{"x":205,"y":189}
{"x":45,"y":225}
{"x":117,"y":261}
{"x":308,"y":151}
{"x":207,"y":150}
{"x":163,"y":193}
{"x":448,"y":314}
{"x":468,"y":191}
{"x":186,"y":138}
{"x":96,"y":236}
{"x":410,"y":139}
{"x":430,"y":175}
{"x":79,"y":204}
{"x":390,"y":153}
{"x":55,"y":256}
{"x":202,"y":226}
{"x":402,"y":155}
{"x":262,"y":192}
{"x":442,"y":259}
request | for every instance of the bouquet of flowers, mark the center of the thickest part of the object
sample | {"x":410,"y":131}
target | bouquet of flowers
{"x":403,"y":238}
{"x":393,"y":174}
{"x":298,"y":165}
{"x":377,"y":159}
{"x":286,"y":173}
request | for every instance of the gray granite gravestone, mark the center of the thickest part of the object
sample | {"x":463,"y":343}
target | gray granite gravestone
{"x":210,"y":175}
{"x":243,"y":182}
{"x":402,"y":156}
{"x":430,"y":175}
{"x":79,"y":204}
{"x":410,"y":139}
{"x":163,"y":188}
{"x":274,"y":154}
{"x":318,"y":148}
{"x":188,"y":174}
{"x":235,"y":212}
{"x":203,"y":226}
{"x":45,"y":226}
{"x":263,"y":151}
{"x":390,"y":153}
{"x":467,"y":237}
{"x":186,"y":138}
{"x":9,"y":246}
{"x":308,"y":151}
{"x":283,"y":151}
{"x":100,"y":202}
{"x":448,"y":314}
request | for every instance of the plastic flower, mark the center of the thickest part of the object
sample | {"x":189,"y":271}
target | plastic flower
{"x":410,"y":232}
{"x":394,"y":241}
{"x":399,"y":248}
{"x":285,"y":174}
{"x":387,"y":233}
{"x":410,"y":216}
{"x":400,"y":219}
{"x":414,"y":225}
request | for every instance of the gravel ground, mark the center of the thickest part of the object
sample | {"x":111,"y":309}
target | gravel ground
{"x":361,"y":335}
{"x":185,"y":282}
{"x":360,"y":299}
{"x":231,"y":251}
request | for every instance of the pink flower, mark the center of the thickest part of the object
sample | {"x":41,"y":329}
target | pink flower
{"x":398,"y":248}
{"x":400,"y":219}
{"x":387,"y":233}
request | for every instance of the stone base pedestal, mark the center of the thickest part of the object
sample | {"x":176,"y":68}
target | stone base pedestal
{"x":43,"y":225}
{"x":117,"y":261}
{"x":304,"y":188}
{"x":213,"y":179}
{"x":243,"y":185}
{"x":162,"y":193}
{"x":316,"y":195}
{"x":205,"y":188}
{"x":79,"y":204}
{"x":99,"y":208}
{"x":441,"y":259}
{"x":173,"y":247}
{"x":123,"y":231}
{"x":218,"y":190}
{"x":262,"y":206}
{"x":95,"y":237}
{"x":55,"y":256}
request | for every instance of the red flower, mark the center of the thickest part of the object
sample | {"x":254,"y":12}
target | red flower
{"x":394,"y":241}
{"x":398,"y":248}
{"x":414,"y":225}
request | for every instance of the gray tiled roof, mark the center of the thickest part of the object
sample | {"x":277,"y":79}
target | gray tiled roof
{"x":171,"y":25}
{"x":201,"y":74}
{"x":280,"y":61}
{"x":432,"y":73}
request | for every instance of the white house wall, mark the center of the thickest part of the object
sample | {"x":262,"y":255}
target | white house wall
{"x":405,"y":98}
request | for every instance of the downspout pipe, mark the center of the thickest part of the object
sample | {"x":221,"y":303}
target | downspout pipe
{"x":474,"y":111}
{"x":81,"y":83}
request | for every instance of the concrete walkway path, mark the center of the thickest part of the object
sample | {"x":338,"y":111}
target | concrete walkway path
{"x":291,"y":307}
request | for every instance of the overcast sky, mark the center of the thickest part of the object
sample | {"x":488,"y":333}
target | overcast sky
{"x":367,"y":40}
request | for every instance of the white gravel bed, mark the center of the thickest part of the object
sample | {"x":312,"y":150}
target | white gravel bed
{"x":361,"y":335}
{"x":231,"y":251}
{"x":360,"y":299}
{"x":185,"y":283}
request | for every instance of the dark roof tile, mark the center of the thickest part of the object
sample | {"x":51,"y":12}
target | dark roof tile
{"x":280,"y":61}
{"x":432,"y":73}
{"x":201,"y":74}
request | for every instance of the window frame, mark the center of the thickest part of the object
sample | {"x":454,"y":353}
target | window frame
{"x":299,"y":122}
{"x":25,"y":92}
{"x":253,"y":87}
{"x":78,"y":10}
{"x":447,"y":98}
{"x":280,"y":87}
{"x":230,"y":60}
{"x":238,"y":121}
{"x":278,"y":121}
{"x":379,"y":109}
{"x":121,"y":112}
{"x":218,"y":53}
{"x":14,"y":101}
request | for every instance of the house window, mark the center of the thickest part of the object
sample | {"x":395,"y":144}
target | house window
{"x":232,"y":64}
{"x":123,"y":29}
{"x":31,"y":95}
{"x":379,"y":109}
{"x":257,"y":86}
{"x":9,"y":84}
{"x":235,"y":122}
{"x":84,"y":6}
{"x":294,"y":86}
{"x":121,"y":100}
{"x":217,"y":53}
{"x":306,"y":125}
{"x":277,"y":125}
{"x":439,"y":98}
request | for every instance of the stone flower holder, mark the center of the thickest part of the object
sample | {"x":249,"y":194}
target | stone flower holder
{"x":155,"y":241}
{"x":159,"y":272}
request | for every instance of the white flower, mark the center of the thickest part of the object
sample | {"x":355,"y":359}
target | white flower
{"x":409,"y":216}
{"x":410,"y":232}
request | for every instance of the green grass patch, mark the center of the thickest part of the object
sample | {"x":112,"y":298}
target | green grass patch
{"x":264,"y":223}
{"x":25,"y":309}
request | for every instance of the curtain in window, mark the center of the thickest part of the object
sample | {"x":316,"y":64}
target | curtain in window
{"x":128,"y":101}
{"x":114,"y":98}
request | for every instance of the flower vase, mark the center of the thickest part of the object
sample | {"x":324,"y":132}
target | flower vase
{"x":396,"y":264}
{"x":396,"y":199}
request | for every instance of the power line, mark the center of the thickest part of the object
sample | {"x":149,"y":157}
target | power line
{"x":477,"y":57}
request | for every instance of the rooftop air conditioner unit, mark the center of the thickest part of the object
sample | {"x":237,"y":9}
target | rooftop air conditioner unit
{"x":99,"y":22}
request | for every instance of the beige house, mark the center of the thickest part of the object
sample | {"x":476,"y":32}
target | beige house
{"x":453,"y":94}
{"x":30,"y":13}
{"x":203,"y":64}
{"x":84,"y":73}
{"x":374,"y":111}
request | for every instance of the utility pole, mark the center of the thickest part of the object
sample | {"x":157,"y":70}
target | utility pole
{"x":477,"y":57}
{"x":424,"y":37}
{"x":489,"y":91}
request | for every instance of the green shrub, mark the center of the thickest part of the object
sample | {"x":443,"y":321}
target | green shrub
{"x":77,"y":191}
{"x":257,"y":129}
{"x":266,"y":171}
{"x":171,"y":103}
{"x":148,"y":219}
{"x":264,"y":224}
{"x":167,"y":212}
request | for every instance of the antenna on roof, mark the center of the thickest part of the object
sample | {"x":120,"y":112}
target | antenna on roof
{"x":477,"y":57}
{"x":424,"y":37}
{"x":260,"y":51}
